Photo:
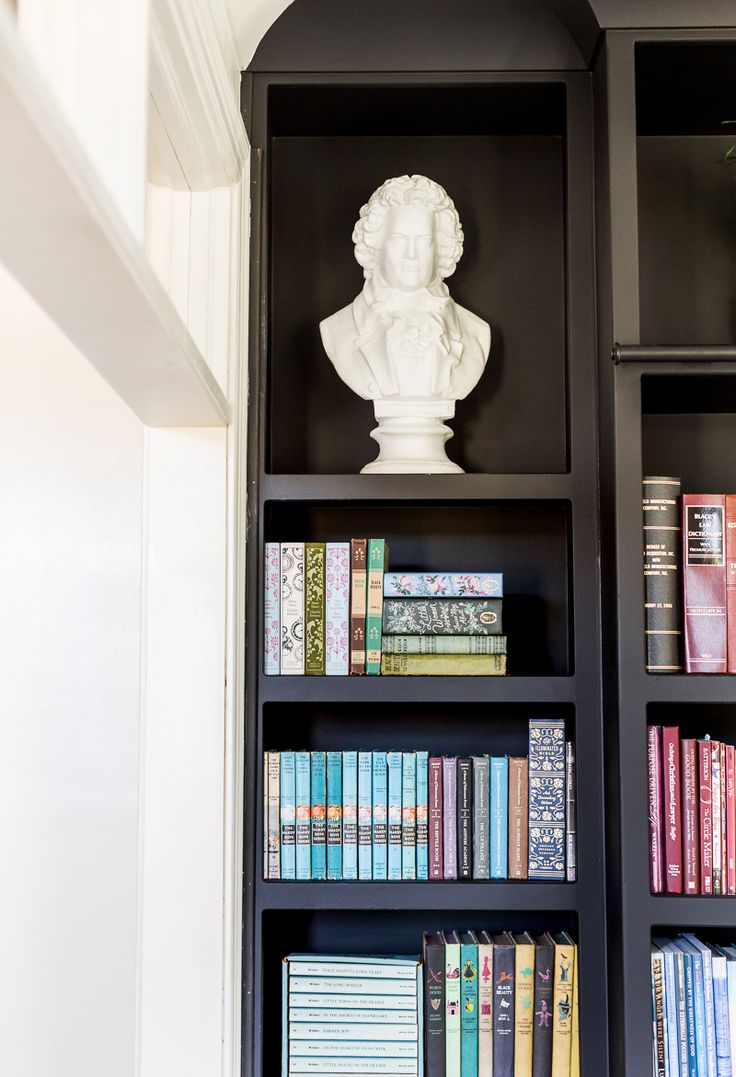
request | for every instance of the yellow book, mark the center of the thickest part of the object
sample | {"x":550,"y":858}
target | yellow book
{"x":575,"y":1045}
{"x":563,"y":1004}
{"x":523,"y":1004}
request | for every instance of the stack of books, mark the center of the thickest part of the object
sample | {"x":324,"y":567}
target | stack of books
{"x":392,"y":815}
{"x":693,"y":1007}
{"x":692,"y":814}
{"x":501,"y":1004}
{"x":359,"y":1015}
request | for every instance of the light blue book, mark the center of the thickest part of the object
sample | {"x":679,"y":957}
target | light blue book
{"x":393,"y":760}
{"x":730,"y":954}
{"x":499,"y":819}
{"x":443,"y":584}
{"x":701,"y":1039}
{"x":334,"y":815}
{"x":468,"y":1004}
{"x":422,"y":815}
{"x":287,"y":792}
{"x":710,"y":1013}
{"x":672,"y":1041}
{"x":720,"y":1007}
{"x":303,"y":816}
{"x":350,"y":816}
{"x":692,"y":1043}
{"x":380,"y":817}
{"x":686,"y":1042}
{"x":365,"y":816}
{"x":337,"y":608}
{"x":319,"y":815}
{"x":547,"y":799}
{"x":408,"y":815}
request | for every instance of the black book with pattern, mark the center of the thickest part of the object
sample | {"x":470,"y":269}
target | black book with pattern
{"x":662,"y":577}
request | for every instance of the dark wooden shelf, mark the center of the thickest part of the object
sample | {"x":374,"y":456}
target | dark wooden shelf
{"x":691,"y":912}
{"x":417,"y":689}
{"x":685,"y":688}
{"x":475,"y":896}
{"x":554,"y":487}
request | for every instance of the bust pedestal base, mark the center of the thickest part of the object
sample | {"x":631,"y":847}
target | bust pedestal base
{"x":411,"y":435}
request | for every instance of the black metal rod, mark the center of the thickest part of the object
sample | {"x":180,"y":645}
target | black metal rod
{"x":664,"y":353}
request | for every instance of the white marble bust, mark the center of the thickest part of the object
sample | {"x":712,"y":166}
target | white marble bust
{"x":403,"y":342}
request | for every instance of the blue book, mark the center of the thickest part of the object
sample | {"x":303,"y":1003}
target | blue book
{"x":422,"y":815}
{"x":692,"y":1043}
{"x":408,"y":815}
{"x":499,"y":817}
{"x":720,"y":1007}
{"x":672,"y":1041}
{"x":547,"y":798}
{"x":393,"y":760}
{"x":350,"y":816}
{"x":685,"y":1011}
{"x":302,"y":766}
{"x":288,"y":815}
{"x":468,"y":1004}
{"x":319,"y":815}
{"x":380,"y":816}
{"x":365,"y":816}
{"x":730,"y":955}
{"x":334,"y":815}
{"x":701,"y":1043}
{"x":710,"y":1013}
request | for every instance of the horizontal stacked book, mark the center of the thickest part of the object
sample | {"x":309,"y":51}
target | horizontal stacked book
{"x":352,"y":1015}
{"x":501,"y":1005}
{"x":692,"y":814}
{"x":333,"y":608}
{"x":693,"y":1007}
{"x":414,"y":815}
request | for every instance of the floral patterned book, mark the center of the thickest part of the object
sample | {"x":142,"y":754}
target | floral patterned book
{"x":448,"y":616}
{"x":443,"y":584}
{"x":337,"y":608}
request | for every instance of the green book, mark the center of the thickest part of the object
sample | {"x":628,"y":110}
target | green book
{"x":452,"y":1002}
{"x":445,"y":665}
{"x":444,"y":644}
{"x":377,"y":565}
{"x":314,"y":608}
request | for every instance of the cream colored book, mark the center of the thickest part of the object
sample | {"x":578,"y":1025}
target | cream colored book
{"x":523,"y":1004}
{"x":563,"y":1004}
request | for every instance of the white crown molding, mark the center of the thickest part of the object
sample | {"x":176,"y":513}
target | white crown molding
{"x":194,"y":84}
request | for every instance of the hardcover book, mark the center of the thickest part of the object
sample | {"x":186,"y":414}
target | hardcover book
{"x":302,"y":766}
{"x":452,"y":1004}
{"x":274,"y":813}
{"x":690,"y":820}
{"x":447,"y":665}
{"x":672,"y":1046}
{"x":731,"y":821}
{"x":365,"y":815}
{"x":264,"y":815}
{"x":408,"y":815}
{"x":272,"y":609}
{"x":358,"y":604}
{"x":672,"y":835}
{"x":655,"y":786}
{"x":350,"y":815}
{"x":709,"y":1002}
{"x":292,"y":608}
{"x":694,"y":960}
{"x":659,"y":1058}
{"x":518,"y":817}
{"x":449,"y":816}
{"x":715,"y":771}
{"x":504,"y":1015}
{"x":334,"y":815}
{"x":575,"y":1031}
{"x":562,"y":1013}
{"x":571,"y":825}
{"x":314,"y":607}
{"x":464,"y":819}
{"x":523,"y":1004}
{"x":433,"y":950}
{"x":377,"y":563}
{"x":337,"y":608}
{"x":435,"y":818}
{"x":705,"y":779}
{"x":704,"y":578}
{"x":544,"y":968}
{"x":662,"y":542}
{"x":731,"y":582}
{"x":444,"y":645}
{"x":443,"y":585}
{"x":481,"y":817}
{"x":499,"y":817}
{"x":393,"y":760}
{"x":422,"y":815}
{"x":485,"y":1004}
{"x":450,"y":616}
{"x":547,"y":798}
{"x":319,"y":814}
{"x":288,"y":815}
{"x":468,"y":1004}
{"x":380,"y":816}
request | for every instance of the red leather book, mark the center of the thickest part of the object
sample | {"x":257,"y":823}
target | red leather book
{"x":704,"y":582}
{"x":656,"y":830}
{"x":690,"y":817}
{"x":731,"y":580}
{"x":435,"y":818}
{"x":706,"y":819}
{"x":730,"y":819}
{"x":672,"y":801}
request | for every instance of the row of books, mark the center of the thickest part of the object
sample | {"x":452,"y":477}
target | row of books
{"x":693,"y":1007}
{"x":333,"y":608}
{"x":692,"y":814}
{"x":689,"y":579}
{"x":392,"y":815}
{"x":501,"y":1005}
{"x":357,"y":1015}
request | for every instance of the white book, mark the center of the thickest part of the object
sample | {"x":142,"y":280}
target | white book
{"x":381,"y":1007}
{"x":355,"y":967}
{"x":352,"y":1049}
{"x":389,"y":1067}
{"x":396,"y":1016}
{"x":344,"y":1031}
{"x":332,"y":985}
{"x":272,"y":609}
{"x":292,"y":608}
{"x":337,"y":609}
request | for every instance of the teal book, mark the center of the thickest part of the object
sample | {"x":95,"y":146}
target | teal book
{"x":499,"y":817}
{"x":468,"y":1004}
{"x":319,"y":815}
{"x":452,"y":1004}
{"x":393,"y":760}
{"x":302,"y":766}
{"x":288,"y":815}
{"x":380,"y":817}
{"x":408,"y":815}
{"x":422,"y":815}
{"x":334,"y":815}
{"x":350,"y":816}
{"x":365,"y":816}
{"x":377,"y":564}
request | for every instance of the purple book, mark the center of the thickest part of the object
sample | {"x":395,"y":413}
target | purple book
{"x":435,"y":818}
{"x":449,"y":816}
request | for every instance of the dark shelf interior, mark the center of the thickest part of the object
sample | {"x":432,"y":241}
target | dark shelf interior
{"x":697,"y":720}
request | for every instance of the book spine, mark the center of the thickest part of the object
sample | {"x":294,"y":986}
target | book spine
{"x":434,"y":1005}
{"x":662,"y":624}
{"x":503,"y":1008}
{"x":704,"y":577}
{"x":730,"y":819}
{"x":377,"y":556}
{"x":365,"y":815}
{"x":481,"y":817}
{"x":524,"y":1011}
{"x":444,"y":644}
{"x":314,"y":608}
{"x":264,"y":815}
{"x":720,"y":1010}
{"x":288,"y":815}
{"x":449,"y":616}
{"x":692,"y":1048}
{"x":292,"y":608}
{"x":701,"y":1036}
{"x":464,"y":819}
{"x":443,"y":584}
{"x":337,"y":609}
{"x":673,"y":811}
{"x":731,"y":582}
{"x":687,"y":1051}
{"x":706,"y":817}
{"x":485,"y":1005}
{"x":302,"y":767}
{"x":449,"y":816}
{"x":670,"y":1010}
{"x":272,"y":609}
{"x":544,"y":968}
{"x":274,"y":811}
{"x":408,"y":815}
{"x":393,"y":760}
{"x":468,"y":1006}
{"x":422,"y":816}
{"x":443,"y":665}
{"x":499,"y":817}
{"x":547,"y":798}
{"x":575,"y":1028}
{"x":518,"y":817}
{"x":715,"y":771}
{"x":724,"y":836}
{"x":571,"y":814}
{"x":334,"y":815}
{"x":358,"y":603}
{"x":562,"y":1009}
{"x":452,"y":1002}
{"x":319,"y":814}
{"x":350,"y":816}
{"x":690,"y":822}
{"x":435,"y":818}
{"x":655,"y":785}
{"x":380,"y":816}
